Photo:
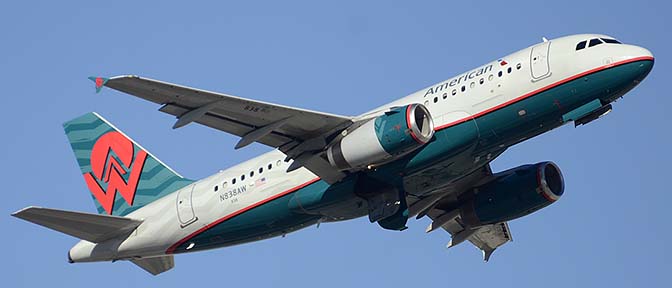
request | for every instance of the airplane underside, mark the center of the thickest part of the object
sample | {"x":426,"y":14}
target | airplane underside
{"x":390,"y":164}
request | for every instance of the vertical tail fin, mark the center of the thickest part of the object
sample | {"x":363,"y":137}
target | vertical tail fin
{"x":121,"y":175}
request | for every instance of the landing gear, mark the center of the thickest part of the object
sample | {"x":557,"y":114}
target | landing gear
{"x":387,"y":204}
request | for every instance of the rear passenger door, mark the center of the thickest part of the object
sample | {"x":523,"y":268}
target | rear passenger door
{"x":539,"y":62}
{"x":185,"y":208}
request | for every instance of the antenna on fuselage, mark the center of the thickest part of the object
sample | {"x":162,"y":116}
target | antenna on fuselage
{"x":544,"y":38}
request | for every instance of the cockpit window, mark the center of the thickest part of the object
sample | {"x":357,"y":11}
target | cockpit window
{"x":594,"y":42}
{"x":610,"y":41}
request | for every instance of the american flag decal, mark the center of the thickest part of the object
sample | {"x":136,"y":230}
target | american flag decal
{"x":261,"y":181}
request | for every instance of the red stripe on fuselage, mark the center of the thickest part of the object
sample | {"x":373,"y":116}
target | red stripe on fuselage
{"x":172,"y":248}
{"x":540,"y":90}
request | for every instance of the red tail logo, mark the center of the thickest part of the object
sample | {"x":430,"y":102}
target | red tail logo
{"x":106,"y":168}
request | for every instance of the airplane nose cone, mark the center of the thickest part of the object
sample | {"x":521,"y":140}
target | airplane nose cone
{"x":641,"y":62}
{"x":632,"y":53}
{"x":646,"y":64}
{"x":646,"y":53}
{"x":645,"y":67}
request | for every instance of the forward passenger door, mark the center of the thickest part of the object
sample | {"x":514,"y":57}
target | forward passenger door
{"x":539,"y":62}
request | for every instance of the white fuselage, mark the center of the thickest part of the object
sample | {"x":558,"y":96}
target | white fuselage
{"x":205,"y":203}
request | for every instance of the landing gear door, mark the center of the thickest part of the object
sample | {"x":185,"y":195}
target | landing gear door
{"x":539,"y":62}
{"x":185,"y":208}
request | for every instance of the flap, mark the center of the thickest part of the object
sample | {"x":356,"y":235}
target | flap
{"x":94,"y":228}
{"x":486,"y":238}
{"x":489,"y":237}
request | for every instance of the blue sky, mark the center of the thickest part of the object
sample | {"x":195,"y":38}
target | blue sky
{"x":610,"y":229}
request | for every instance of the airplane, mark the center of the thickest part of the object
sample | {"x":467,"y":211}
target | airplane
{"x":424,"y":155}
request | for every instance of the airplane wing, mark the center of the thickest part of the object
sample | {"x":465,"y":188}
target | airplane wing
{"x":442,"y":207}
{"x":299,"y":133}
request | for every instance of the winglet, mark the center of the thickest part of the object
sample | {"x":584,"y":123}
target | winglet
{"x":100,"y":82}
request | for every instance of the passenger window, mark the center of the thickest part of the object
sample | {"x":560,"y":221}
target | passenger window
{"x":499,"y":74}
{"x":508,"y":70}
{"x":242,"y":177}
{"x":581,"y":45}
{"x":610,"y":41}
{"x":481,"y":81}
{"x":216,"y":188}
{"x":472,"y":84}
{"x":463,"y":88}
{"x":251,"y":173}
{"x":225,"y":184}
{"x":445,"y":95}
{"x":261,"y":170}
{"x":594,"y":42}
{"x":233,"y":181}
{"x":518,"y":66}
{"x":270,"y":166}
{"x":277,"y":163}
{"x":454,"y":92}
{"x":491,"y":77}
{"x":436,"y":99}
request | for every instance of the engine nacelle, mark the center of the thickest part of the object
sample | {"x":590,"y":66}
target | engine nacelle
{"x":397,"y":132}
{"x":514,"y":193}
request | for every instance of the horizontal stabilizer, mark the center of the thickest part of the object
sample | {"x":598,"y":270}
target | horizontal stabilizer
{"x":156,"y":265}
{"x":94,"y":228}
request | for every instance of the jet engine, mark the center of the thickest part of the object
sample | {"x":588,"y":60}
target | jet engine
{"x":513,"y":193}
{"x":397,"y":132}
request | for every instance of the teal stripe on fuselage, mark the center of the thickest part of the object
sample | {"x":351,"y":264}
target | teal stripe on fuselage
{"x":544,"y":110}
{"x":268,"y":220}
{"x":461,"y":144}
{"x":503,"y":126}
